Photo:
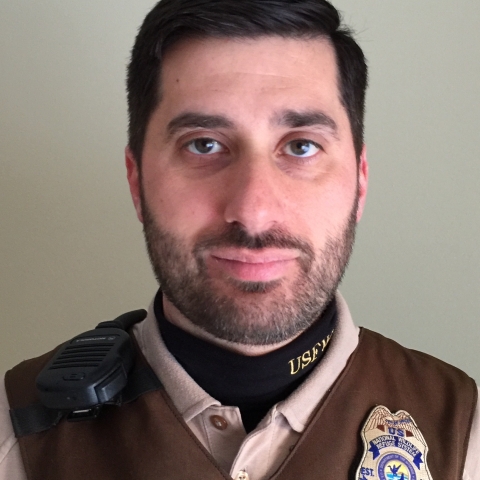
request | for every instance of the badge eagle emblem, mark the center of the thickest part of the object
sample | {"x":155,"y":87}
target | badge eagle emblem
{"x":394,"y":448}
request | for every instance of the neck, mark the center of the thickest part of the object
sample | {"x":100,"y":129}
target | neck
{"x":174,"y":316}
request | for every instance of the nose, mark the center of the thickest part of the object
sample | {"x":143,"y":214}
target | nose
{"x":255,"y":196}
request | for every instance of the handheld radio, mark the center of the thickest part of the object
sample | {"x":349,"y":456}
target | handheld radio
{"x":91,"y":369}
{"x":94,"y":369}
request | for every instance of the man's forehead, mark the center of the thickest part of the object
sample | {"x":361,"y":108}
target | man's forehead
{"x":212,"y":73}
{"x":272,"y":55}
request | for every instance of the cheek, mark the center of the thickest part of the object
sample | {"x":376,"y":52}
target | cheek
{"x":326,"y":211}
{"x":183,"y":209}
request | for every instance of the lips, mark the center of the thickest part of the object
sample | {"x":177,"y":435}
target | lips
{"x":253,"y":266}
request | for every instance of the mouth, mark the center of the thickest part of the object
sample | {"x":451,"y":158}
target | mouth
{"x":253,"y":266}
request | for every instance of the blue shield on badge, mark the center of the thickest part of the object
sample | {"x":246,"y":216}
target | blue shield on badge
{"x":395,"y":467}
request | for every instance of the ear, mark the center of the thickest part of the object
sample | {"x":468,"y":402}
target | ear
{"x":133,"y":177}
{"x":362,"y":182}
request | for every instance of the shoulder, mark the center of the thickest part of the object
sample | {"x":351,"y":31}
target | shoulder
{"x":19,"y":382}
{"x":472,"y":462}
{"x":11,"y":466}
{"x":415,"y":381}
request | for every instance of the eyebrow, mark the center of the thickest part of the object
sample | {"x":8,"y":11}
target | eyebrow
{"x":197,"y":120}
{"x":285,"y":118}
{"x":308,"y":118}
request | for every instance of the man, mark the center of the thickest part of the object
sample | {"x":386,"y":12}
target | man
{"x":247,"y":168}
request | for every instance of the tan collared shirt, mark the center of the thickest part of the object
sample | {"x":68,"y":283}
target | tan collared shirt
{"x":219,"y":428}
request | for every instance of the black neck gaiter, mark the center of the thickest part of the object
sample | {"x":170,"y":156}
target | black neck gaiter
{"x":254,"y":384}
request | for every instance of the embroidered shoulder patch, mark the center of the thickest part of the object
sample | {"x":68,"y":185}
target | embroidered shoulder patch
{"x":394,"y":448}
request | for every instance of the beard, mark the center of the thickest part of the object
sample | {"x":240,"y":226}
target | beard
{"x":248,"y":313}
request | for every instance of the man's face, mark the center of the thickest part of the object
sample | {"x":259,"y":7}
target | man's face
{"x":250,"y":189}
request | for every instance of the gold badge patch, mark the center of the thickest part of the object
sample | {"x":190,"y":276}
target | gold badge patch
{"x":394,"y":448}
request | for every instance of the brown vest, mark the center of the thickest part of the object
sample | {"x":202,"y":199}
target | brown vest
{"x":148,"y":439}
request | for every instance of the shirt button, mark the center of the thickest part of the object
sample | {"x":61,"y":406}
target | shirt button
{"x":218,"y":422}
{"x":242,"y":475}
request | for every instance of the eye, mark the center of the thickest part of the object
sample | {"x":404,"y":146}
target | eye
{"x":302,"y":148}
{"x":204,"y":146}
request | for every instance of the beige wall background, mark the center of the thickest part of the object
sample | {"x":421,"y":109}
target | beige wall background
{"x":71,"y":249}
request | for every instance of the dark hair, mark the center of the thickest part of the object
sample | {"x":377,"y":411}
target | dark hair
{"x":172,"y":20}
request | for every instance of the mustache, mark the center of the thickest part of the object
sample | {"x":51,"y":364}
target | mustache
{"x":234,"y":235}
